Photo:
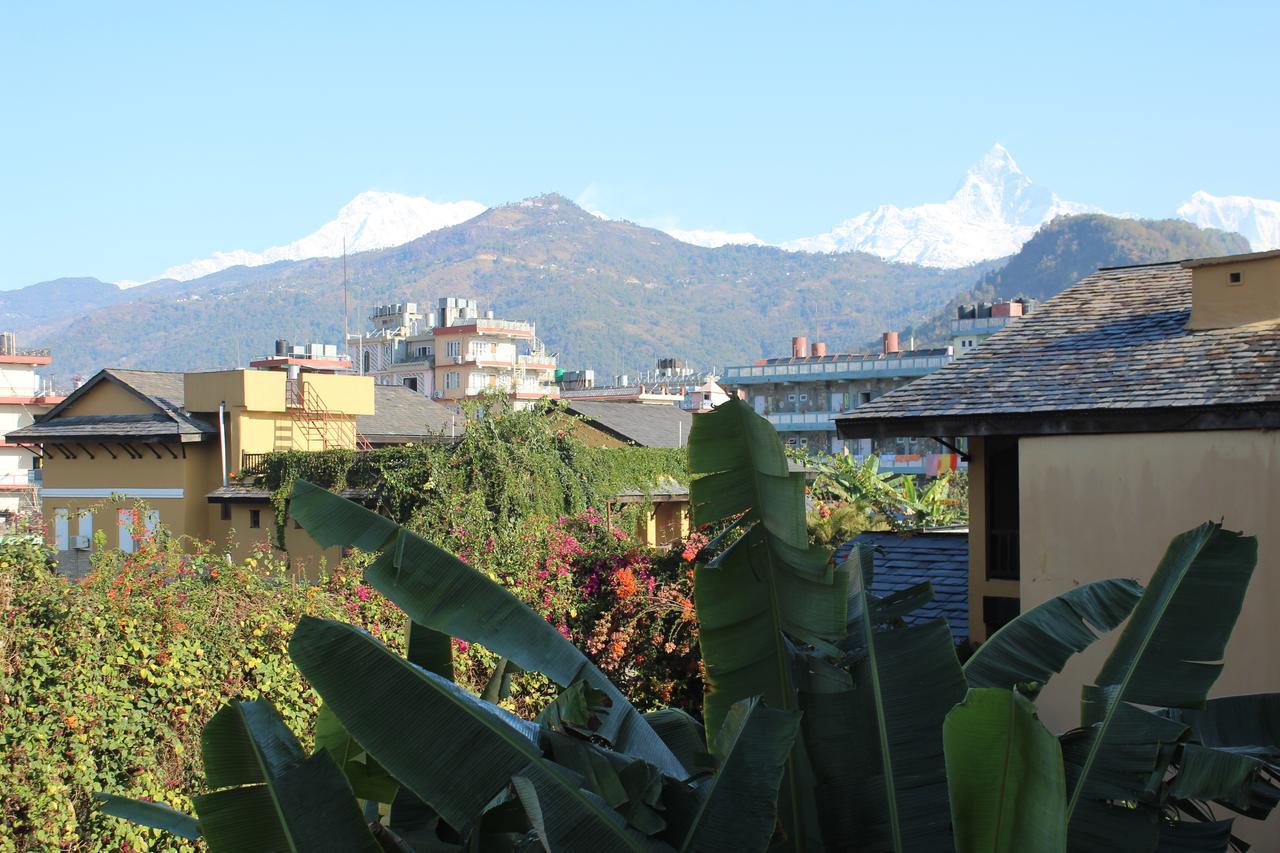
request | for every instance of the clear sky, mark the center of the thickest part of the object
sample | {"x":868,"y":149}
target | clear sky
{"x":137,"y":136}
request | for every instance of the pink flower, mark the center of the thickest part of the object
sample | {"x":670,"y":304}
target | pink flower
{"x":461,"y":646}
{"x":362,"y":592}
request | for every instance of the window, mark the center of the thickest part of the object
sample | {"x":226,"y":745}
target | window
{"x":255,"y":519}
{"x":804,"y":442}
{"x":423,"y":352}
{"x":1002,"y":508}
{"x":791,"y":398}
{"x":1235,"y":278}
{"x":365,"y":361}
{"x":864,"y":397}
{"x":124,"y":519}
{"x":224,"y":511}
{"x":453,"y":379}
{"x":411,"y":382}
{"x":804,"y":398}
{"x":61,"y":531}
{"x":453,"y":348}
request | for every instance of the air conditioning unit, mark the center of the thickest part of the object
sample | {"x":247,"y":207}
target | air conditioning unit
{"x":80,"y":543}
{"x":457,"y":359}
{"x":435,"y":395}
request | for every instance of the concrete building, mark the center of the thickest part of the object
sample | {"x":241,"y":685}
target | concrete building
{"x":173,"y":440}
{"x":1135,"y":405}
{"x":671,"y":382}
{"x":804,"y":394}
{"x":976,"y":322}
{"x":455,"y":353}
{"x":24,"y":396}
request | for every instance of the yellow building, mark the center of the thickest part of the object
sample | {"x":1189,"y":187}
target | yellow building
{"x":1135,"y":405}
{"x":173,"y":440}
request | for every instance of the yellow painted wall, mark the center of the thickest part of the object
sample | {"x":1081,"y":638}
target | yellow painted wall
{"x":1217,"y":303}
{"x":1103,"y":506}
{"x":108,"y":398}
{"x":342,"y":393}
{"x":306,"y":557}
{"x":256,"y":390}
{"x":1106,"y":506}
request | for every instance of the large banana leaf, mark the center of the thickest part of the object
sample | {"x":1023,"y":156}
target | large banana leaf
{"x":440,"y":592}
{"x":739,"y":803}
{"x":369,"y":781}
{"x":274,"y":797}
{"x":1004,"y":776}
{"x":1038,"y":644}
{"x":765,"y":587}
{"x":1170,"y":652}
{"x":877,"y":749}
{"x":151,"y":814}
{"x":422,"y":728}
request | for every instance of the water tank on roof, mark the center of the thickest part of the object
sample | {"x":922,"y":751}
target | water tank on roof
{"x":282,"y":346}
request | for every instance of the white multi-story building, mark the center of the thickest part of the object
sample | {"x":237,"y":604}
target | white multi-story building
{"x":454,"y":354}
{"x":23,"y":396}
{"x":976,"y":322}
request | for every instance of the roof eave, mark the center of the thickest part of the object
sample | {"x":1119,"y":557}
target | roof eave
{"x":1068,"y":422}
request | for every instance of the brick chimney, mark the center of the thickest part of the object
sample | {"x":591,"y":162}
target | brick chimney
{"x":800,"y":347}
{"x":891,"y":343}
{"x":819,"y":350}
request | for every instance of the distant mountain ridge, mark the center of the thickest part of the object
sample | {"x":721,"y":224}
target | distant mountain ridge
{"x":1257,"y":219}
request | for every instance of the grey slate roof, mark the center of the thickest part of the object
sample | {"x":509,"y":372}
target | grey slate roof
{"x":402,"y":416}
{"x":904,"y":560}
{"x":1114,"y":344}
{"x":162,"y":389}
{"x":644,"y":424}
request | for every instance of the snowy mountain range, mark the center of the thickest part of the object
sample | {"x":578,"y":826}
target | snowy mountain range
{"x":994,"y":212}
{"x":371,"y":220}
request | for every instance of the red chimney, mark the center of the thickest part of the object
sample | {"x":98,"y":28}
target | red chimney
{"x":800,"y":347}
{"x":891,"y":343}
{"x":819,"y":350}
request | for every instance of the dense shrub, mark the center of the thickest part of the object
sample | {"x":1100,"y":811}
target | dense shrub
{"x":105,"y":684}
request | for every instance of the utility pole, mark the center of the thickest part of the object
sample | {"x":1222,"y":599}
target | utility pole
{"x":346,"y":311}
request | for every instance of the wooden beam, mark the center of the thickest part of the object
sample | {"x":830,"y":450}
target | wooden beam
{"x":170,"y":450}
{"x":148,"y":446}
{"x":87,"y":451}
{"x":133,"y":454}
{"x":108,"y":449}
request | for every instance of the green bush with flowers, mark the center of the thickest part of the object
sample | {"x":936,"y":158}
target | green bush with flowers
{"x":106,"y":683}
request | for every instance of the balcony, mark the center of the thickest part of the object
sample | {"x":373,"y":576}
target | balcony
{"x":980,"y":325}
{"x":803,"y":421}
{"x":24,"y":478}
{"x":834,"y":370}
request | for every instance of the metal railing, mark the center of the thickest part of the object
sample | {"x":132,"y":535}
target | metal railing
{"x":909,"y":366}
{"x":979,"y":324}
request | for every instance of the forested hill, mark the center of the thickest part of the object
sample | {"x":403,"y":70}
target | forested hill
{"x":1069,"y":248}
{"x":605,"y":294}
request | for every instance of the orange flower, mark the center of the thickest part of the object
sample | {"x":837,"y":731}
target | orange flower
{"x":625,"y":583}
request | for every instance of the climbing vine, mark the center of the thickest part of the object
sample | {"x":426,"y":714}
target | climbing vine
{"x":506,"y":466}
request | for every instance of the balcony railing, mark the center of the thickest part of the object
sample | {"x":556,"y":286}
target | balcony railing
{"x":848,"y":369}
{"x":22,"y":478}
{"x":979,"y":324}
{"x":784,"y":421}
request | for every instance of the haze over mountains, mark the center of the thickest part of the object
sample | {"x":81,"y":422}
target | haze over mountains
{"x":996,"y":209}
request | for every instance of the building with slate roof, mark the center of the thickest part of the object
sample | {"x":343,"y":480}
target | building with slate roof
{"x":634,"y":424}
{"x":904,"y":560}
{"x":173,"y":440}
{"x":1133,"y":406}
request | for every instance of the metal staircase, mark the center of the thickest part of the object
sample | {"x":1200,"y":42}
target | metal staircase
{"x":317,"y":423}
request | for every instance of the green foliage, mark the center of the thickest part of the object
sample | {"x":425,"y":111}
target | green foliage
{"x":506,"y":467}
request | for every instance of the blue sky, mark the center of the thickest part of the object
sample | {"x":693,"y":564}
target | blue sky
{"x":140,"y":136}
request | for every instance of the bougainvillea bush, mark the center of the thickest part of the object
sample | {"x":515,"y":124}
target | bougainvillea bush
{"x":105,"y":684}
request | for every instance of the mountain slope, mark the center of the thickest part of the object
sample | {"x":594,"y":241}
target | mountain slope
{"x":606,"y":294}
{"x":1256,"y":218}
{"x":371,"y":220}
{"x":28,"y":309}
{"x":995,"y":211}
{"x":1071,"y":247}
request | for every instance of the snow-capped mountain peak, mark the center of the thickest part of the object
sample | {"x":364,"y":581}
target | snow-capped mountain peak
{"x":1258,"y":219}
{"x":996,"y":209}
{"x":371,"y":220}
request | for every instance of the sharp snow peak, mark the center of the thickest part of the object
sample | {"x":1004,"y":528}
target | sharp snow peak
{"x":371,"y":220}
{"x":996,"y":209}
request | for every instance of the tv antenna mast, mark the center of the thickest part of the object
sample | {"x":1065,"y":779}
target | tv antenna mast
{"x":346,"y":311}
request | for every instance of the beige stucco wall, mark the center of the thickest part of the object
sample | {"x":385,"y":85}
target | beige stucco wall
{"x":108,"y":398}
{"x":1103,"y":506}
{"x":257,"y":390}
{"x":1217,"y":303}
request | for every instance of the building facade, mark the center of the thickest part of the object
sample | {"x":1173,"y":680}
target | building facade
{"x":804,"y":394}
{"x":454,"y":353}
{"x":24,"y":396}
{"x":1135,"y":405}
{"x":976,"y":322}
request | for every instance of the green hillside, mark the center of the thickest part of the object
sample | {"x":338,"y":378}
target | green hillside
{"x":1071,"y":247}
{"x":604,"y":294}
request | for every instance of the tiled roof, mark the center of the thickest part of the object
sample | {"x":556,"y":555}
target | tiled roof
{"x":401,"y":415}
{"x":1114,"y":344}
{"x":644,"y":424}
{"x":904,"y":560}
{"x":162,"y":389}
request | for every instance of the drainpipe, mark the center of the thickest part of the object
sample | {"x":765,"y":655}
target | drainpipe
{"x":222,"y":439}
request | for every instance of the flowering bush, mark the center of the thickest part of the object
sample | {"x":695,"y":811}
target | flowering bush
{"x":105,"y":684}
